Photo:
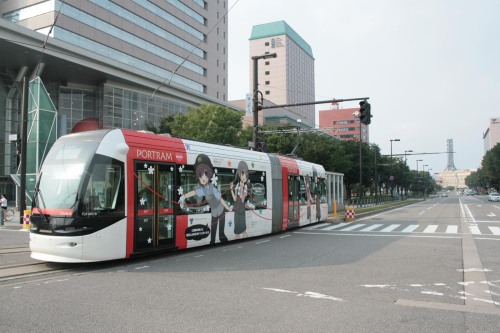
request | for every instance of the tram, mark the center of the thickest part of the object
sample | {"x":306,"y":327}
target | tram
{"x":114,"y":194}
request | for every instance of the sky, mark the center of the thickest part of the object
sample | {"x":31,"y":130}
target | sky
{"x":431,"y":68}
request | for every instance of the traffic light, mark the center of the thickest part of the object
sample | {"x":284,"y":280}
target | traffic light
{"x":365,"y":113}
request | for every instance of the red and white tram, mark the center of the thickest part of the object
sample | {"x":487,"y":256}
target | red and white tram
{"x":114,"y":194}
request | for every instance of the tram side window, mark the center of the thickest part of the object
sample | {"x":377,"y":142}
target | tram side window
{"x":256,"y":193}
{"x":319,"y":190}
{"x":306,"y":189}
{"x":144,"y":185}
{"x":322,"y":188}
{"x":104,"y":191}
{"x":189,"y":182}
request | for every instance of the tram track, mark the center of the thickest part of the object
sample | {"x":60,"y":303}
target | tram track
{"x":22,"y":268}
{"x":25,"y":272}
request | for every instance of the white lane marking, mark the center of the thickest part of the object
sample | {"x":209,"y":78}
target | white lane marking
{"x":410,"y":228}
{"x":430,"y":229}
{"x":421,"y":212}
{"x":142,"y":267}
{"x":372,"y":227}
{"x":264,"y":241}
{"x":452,"y":229}
{"x":474,"y":270}
{"x":390,"y":228}
{"x":311,"y":294}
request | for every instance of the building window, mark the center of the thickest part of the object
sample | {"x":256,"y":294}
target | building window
{"x":266,"y":44}
{"x":267,"y":83}
{"x":266,"y":63}
{"x":267,"y":72}
{"x":268,"y":92}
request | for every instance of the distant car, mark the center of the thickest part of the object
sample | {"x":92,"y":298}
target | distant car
{"x":443,"y":194}
{"x":494,"y":196}
{"x":469,"y":192}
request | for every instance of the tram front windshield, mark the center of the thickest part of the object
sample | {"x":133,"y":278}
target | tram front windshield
{"x":62,"y":173}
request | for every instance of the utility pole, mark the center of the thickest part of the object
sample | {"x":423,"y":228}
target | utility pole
{"x":24,"y":137}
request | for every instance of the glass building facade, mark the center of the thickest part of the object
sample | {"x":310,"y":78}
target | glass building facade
{"x":127,"y":64}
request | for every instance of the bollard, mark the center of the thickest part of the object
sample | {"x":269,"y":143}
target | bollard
{"x":335,"y":208}
{"x":350,"y":214}
{"x":26,"y":219}
{"x":1,"y":216}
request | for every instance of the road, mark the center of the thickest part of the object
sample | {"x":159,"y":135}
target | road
{"x":428,"y":267}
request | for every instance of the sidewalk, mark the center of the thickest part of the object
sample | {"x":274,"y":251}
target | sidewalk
{"x":13,"y":224}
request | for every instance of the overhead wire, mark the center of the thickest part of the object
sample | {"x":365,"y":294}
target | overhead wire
{"x":190,"y":53}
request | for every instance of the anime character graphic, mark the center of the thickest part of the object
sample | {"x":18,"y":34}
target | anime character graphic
{"x":204,"y":172}
{"x":317,"y":194}
{"x":239,"y":193}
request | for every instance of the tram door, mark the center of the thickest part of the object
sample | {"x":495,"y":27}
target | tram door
{"x":154,"y":205}
{"x":293,"y":200}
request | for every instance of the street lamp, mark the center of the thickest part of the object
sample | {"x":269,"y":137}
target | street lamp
{"x":416,"y":177}
{"x":423,"y":178}
{"x":392,"y":176}
{"x":406,"y":178}
{"x":407,"y":151}
{"x":255,"y":107}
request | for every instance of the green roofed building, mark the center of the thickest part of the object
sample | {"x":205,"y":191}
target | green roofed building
{"x":288,"y":78}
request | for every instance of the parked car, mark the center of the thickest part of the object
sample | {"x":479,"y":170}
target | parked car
{"x":494,"y":196}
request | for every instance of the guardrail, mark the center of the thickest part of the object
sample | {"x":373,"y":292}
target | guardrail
{"x":373,"y":201}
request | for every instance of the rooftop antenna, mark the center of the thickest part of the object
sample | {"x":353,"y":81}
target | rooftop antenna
{"x":451,"y":163}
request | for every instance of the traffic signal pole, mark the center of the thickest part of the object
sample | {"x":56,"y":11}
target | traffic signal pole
{"x":261,"y":107}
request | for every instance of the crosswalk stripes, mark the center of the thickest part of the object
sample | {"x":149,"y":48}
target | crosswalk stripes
{"x":410,"y":228}
{"x":399,"y":228}
{"x":390,"y":228}
{"x":430,"y":229}
{"x":353,"y":226}
{"x":495,"y":230}
{"x":372,"y":227}
{"x":452,"y":229}
{"x":474,"y":229}
{"x":340,"y":225}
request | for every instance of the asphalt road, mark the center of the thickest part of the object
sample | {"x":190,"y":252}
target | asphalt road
{"x":428,"y":267}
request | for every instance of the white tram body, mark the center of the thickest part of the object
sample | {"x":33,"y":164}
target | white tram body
{"x":114,"y":194}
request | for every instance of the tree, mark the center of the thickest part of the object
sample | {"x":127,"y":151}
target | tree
{"x":476,"y":179}
{"x":210,"y":122}
{"x":491,"y":166}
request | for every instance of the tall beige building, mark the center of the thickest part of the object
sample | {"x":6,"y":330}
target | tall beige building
{"x":492,"y":134}
{"x":288,"y":78}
